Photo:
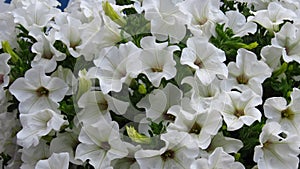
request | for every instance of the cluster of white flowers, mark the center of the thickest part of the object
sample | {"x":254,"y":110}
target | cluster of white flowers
{"x":81,"y":87}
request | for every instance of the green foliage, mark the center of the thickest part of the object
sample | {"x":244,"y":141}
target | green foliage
{"x":230,"y":5}
{"x":228,"y":43}
{"x":5,"y":158}
{"x":250,"y":137}
{"x":156,"y":128}
{"x":137,"y":27}
{"x":67,"y":108}
{"x":283,"y":81}
{"x":70,"y":61}
{"x":25,"y":41}
{"x":136,"y":95}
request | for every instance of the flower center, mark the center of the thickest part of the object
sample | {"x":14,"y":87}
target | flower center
{"x":105,"y":146}
{"x":156,"y":69}
{"x":195,"y":129}
{"x":169,"y":117}
{"x":242,"y":79}
{"x":103,"y":105}
{"x":1,"y":78}
{"x":202,"y":21}
{"x":41,"y":91}
{"x":74,"y":44}
{"x":287,"y":113}
{"x":239,"y":113}
{"x":199,"y":63}
{"x":47,"y":55}
{"x":169,"y":154}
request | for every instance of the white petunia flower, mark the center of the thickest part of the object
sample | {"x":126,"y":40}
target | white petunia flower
{"x":128,"y":162}
{"x":179,"y":152}
{"x":288,"y":116}
{"x":229,"y":145}
{"x":288,"y":39}
{"x":278,"y":149}
{"x":69,"y":78}
{"x":159,"y":101}
{"x":100,"y":144}
{"x":202,"y":16}
{"x":202,"y":96}
{"x":66,"y":142}
{"x":98,"y":34}
{"x":205,"y":59}
{"x":115,"y":66}
{"x":8,"y":31}
{"x":46,"y":54}
{"x":96,"y":104}
{"x":238,"y":108}
{"x":247,"y":72}
{"x":38,"y":124}
{"x":273,"y":16}
{"x":166,"y":19}
{"x":4,"y":70}
{"x":218,"y":159}
{"x":201,"y":126}
{"x":55,"y":161}
{"x":157,"y":60}
{"x":36,"y":91}
{"x":30,"y":156}
{"x":239,"y":25}
{"x":271,"y":55}
{"x":68,"y":32}
{"x":9,"y":123}
{"x":35,"y":14}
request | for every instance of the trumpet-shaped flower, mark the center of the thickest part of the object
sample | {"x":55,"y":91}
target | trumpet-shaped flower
{"x":202,"y":16}
{"x":35,"y":14}
{"x":157,"y":60}
{"x":95,"y":105}
{"x":202,"y":96}
{"x":66,"y":142}
{"x":38,"y":124}
{"x":288,"y":39}
{"x":100,"y":144}
{"x":201,"y":126}
{"x":36,"y":91}
{"x":277,"y":149}
{"x":68,"y":32}
{"x":272,"y":17}
{"x":98,"y":34}
{"x":166,"y":19}
{"x":205,"y":59}
{"x":60,"y":161}
{"x":271,"y":55}
{"x":229,"y":145}
{"x":179,"y":152}
{"x":46,"y":54}
{"x":237,"y":22}
{"x":66,"y":75}
{"x":4,"y":70}
{"x":114,"y":66}
{"x":239,"y":108}
{"x":288,"y":116}
{"x":247,"y":72}
{"x":159,"y":101}
{"x":30,"y":156}
{"x":7,"y":33}
{"x":218,"y":159}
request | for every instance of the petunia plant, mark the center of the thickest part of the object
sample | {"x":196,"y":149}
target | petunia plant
{"x":138,"y":84}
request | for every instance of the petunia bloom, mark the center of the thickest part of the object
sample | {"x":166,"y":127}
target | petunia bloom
{"x":38,"y":124}
{"x":205,"y":59}
{"x":36,"y":91}
{"x":277,"y":149}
